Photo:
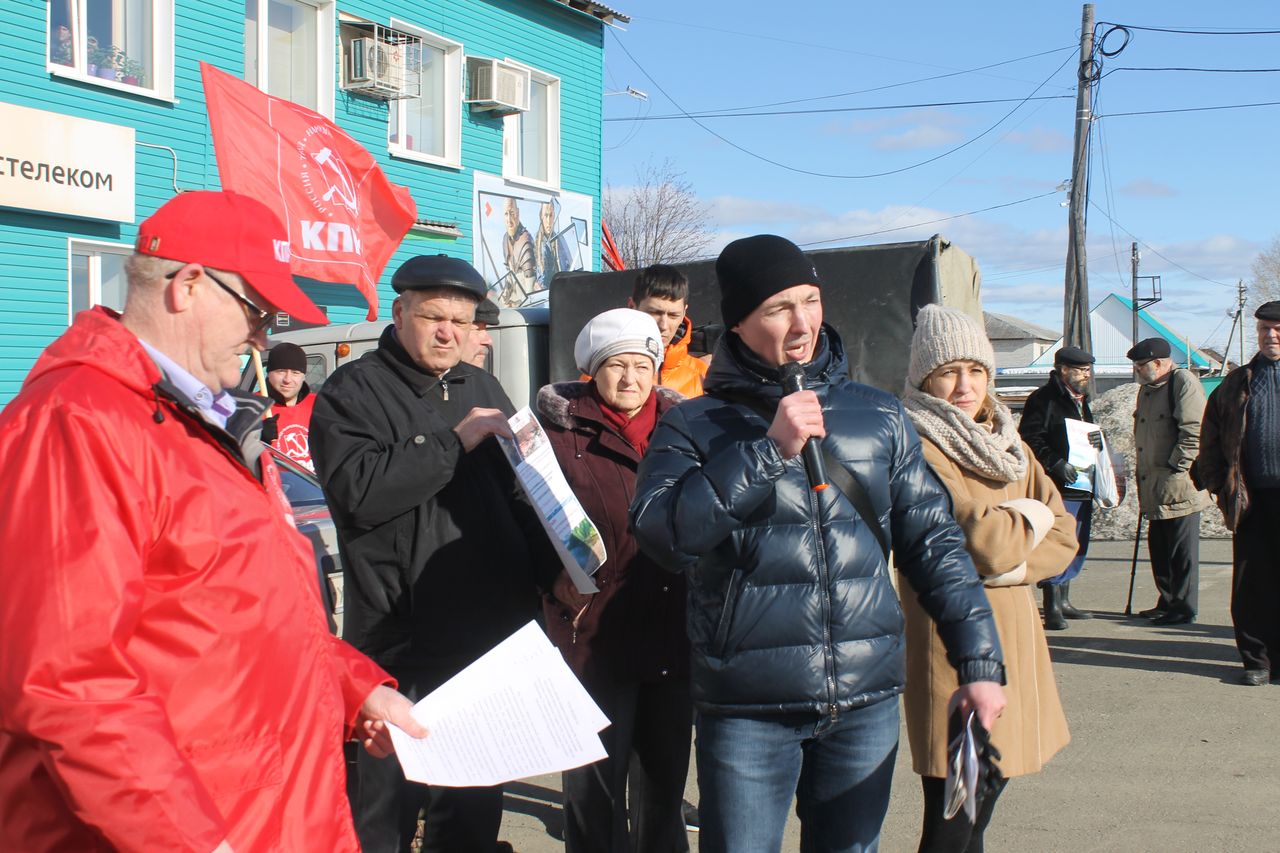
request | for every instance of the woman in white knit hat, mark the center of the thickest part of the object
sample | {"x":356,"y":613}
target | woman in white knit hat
{"x":1018,"y":533}
{"x":627,"y":642}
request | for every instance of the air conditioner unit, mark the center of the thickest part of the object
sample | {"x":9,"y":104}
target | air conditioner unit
{"x":497,"y":87}
{"x":376,"y":68}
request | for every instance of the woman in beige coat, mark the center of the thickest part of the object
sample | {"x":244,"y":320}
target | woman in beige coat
{"x":1018,"y":533}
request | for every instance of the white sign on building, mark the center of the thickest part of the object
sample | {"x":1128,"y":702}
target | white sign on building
{"x":59,"y":164}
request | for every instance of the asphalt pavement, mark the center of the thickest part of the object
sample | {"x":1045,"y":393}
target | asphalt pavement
{"x":1168,"y":751}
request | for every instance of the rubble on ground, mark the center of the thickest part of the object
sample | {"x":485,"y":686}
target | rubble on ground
{"x":1114,"y":411}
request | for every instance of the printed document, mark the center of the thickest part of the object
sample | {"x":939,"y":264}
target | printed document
{"x":516,"y":712}
{"x":574,"y":535}
{"x":1081,"y":453}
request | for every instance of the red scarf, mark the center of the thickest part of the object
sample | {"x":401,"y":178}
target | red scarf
{"x":634,"y":430}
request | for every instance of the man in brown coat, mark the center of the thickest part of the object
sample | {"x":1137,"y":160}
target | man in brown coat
{"x":1239,"y":463}
{"x":1166,"y":433}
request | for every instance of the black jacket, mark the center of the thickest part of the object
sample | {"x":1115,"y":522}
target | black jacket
{"x":791,"y":607}
{"x":441,"y":554}
{"x":1043,"y":430}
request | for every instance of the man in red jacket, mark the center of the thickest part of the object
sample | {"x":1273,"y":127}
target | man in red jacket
{"x":168,"y":680}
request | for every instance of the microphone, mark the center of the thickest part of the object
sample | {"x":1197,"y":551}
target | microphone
{"x":793,"y":381}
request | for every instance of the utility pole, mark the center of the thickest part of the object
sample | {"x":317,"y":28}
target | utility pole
{"x":1237,"y":320}
{"x":1075,"y":319}
{"x":1134,"y":257}
{"x":1240,"y":316}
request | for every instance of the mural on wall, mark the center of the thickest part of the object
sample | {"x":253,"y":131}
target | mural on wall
{"x":523,"y":237}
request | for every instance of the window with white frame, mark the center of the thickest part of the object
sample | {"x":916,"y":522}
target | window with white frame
{"x":125,"y":44}
{"x":531,"y":139}
{"x":429,"y":127}
{"x":97,"y":276}
{"x":288,"y":50}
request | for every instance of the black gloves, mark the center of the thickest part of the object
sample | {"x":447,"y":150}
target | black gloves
{"x":1064,"y":472}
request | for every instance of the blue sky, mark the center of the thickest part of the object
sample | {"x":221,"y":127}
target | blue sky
{"x":1198,"y":188}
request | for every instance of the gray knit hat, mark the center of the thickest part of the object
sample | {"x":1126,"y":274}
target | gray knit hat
{"x":943,"y":335}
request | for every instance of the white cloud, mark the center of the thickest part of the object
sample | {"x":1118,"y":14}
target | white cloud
{"x":1039,"y":140}
{"x":1146,"y":188}
{"x":923,"y":136}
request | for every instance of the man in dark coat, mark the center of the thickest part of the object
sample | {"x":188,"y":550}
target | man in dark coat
{"x":1239,"y":463}
{"x":796,"y":633}
{"x":441,"y":556}
{"x":1043,"y":427}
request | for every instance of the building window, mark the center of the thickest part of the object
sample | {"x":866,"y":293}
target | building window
{"x":429,"y":127}
{"x":291,"y":56}
{"x":125,"y":44}
{"x":97,"y":276}
{"x":531,"y":139}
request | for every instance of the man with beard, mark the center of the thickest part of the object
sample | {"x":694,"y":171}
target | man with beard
{"x":1043,"y":427}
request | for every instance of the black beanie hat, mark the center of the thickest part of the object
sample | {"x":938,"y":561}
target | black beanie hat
{"x":752,"y":269}
{"x":286,"y":356}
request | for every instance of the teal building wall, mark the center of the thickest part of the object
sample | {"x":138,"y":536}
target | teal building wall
{"x":34,"y":248}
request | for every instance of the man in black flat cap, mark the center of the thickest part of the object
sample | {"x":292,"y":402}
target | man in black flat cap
{"x":442,"y":556}
{"x":1043,"y":427}
{"x":1166,"y":436}
{"x":1239,"y":463}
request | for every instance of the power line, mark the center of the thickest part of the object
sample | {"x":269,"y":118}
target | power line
{"x":817,"y":174}
{"x":1193,"y":31}
{"x":1206,"y":70}
{"x":900,"y":84}
{"x":774,"y":39}
{"x":693,"y":115}
{"x":1157,"y":252}
{"x":929,"y":222}
{"x":1189,"y":109}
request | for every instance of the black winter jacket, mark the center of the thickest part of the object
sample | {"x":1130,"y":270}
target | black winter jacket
{"x":441,"y":553}
{"x":1042,"y":427}
{"x":791,"y":607}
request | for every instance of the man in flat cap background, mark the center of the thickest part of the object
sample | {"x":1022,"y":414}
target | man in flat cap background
{"x":168,"y":680}
{"x":1043,"y":428}
{"x":1239,"y":463}
{"x":796,"y":632}
{"x":1166,"y":436}
{"x":441,"y":554}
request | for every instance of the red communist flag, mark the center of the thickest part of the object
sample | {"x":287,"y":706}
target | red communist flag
{"x":345,"y":218}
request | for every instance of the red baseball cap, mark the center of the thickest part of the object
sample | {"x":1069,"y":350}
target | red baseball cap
{"x":229,"y":231}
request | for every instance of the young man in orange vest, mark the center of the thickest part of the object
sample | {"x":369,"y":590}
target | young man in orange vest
{"x":662,"y":292}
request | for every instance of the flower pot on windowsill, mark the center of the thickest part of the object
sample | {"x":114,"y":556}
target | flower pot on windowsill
{"x":93,"y":70}
{"x":106,"y":72}
{"x":129,"y":80}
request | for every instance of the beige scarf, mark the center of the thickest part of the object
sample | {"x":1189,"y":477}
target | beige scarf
{"x":994,"y":453}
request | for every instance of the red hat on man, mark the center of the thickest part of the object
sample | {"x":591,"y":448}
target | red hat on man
{"x":233,"y":232}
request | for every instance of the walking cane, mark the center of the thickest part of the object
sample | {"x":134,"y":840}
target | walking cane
{"x":1133,"y":567}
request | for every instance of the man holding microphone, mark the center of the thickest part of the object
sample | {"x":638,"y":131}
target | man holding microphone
{"x":796,"y":633}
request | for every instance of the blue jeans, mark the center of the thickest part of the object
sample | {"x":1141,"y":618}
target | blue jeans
{"x":839,"y":771}
{"x":1082,"y":512}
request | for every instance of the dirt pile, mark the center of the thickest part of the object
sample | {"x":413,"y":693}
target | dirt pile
{"x":1114,"y":411}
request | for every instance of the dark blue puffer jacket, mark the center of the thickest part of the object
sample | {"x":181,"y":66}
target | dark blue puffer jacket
{"x":791,"y":607}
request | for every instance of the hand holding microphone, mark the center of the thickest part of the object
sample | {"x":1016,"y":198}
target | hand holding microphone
{"x":798,"y":426}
